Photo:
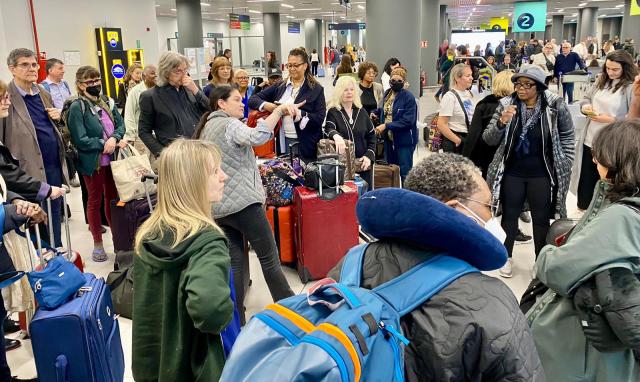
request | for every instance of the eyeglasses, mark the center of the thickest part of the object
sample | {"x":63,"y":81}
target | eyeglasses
{"x":294,"y":66}
{"x":29,"y":65}
{"x":95,"y":81}
{"x":491,"y":206}
{"x":179,"y":72}
{"x":245,"y":78}
{"x":526,"y":85}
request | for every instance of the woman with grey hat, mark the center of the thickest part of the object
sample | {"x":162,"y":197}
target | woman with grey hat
{"x":533,"y":162}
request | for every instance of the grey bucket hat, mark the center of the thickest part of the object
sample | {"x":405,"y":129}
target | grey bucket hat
{"x":532,"y":72}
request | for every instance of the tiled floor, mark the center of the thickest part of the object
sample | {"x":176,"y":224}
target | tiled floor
{"x":21,"y":359}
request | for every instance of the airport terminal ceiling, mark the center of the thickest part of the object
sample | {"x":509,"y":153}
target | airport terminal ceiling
{"x":462,"y":13}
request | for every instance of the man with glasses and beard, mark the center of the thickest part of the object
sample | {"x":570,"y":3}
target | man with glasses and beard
{"x":173,"y":108}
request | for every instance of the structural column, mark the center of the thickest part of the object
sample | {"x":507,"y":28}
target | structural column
{"x":630,"y":25}
{"x":401,"y":41}
{"x":588,"y":22}
{"x":271,"y":23}
{"x":355,"y":37}
{"x":615,"y":27}
{"x":189,"y":24}
{"x":429,"y":32}
{"x":557,"y":28}
{"x":443,"y":35}
{"x":311,"y":33}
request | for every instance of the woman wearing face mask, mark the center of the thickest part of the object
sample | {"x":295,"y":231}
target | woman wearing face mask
{"x":240,"y":214}
{"x":346,"y":119}
{"x":398,"y":127}
{"x":456,"y":109}
{"x":609,"y":100}
{"x":241,"y":79}
{"x":221,"y":74}
{"x":592,"y":304}
{"x":132,"y":77}
{"x":96,"y":129}
{"x":533,"y":162}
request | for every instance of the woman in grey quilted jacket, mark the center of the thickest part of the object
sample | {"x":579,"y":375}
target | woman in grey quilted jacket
{"x":533,"y":162}
{"x":240,"y":214}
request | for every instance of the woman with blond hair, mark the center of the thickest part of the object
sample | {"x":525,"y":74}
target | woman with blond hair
{"x":132,"y":77}
{"x":474,"y":147}
{"x":182,"y":299}
{"x":346,"y":119}
{"x":456,"y":109}
{"x":221,"y":74}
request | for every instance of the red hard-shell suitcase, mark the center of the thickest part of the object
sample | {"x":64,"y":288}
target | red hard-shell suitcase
{"x":281,"y":221}
{"x":324,"y":229}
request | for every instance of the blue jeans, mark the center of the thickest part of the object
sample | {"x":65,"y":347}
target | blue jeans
{"x":54,"y":178}
{"x":567,"y":90}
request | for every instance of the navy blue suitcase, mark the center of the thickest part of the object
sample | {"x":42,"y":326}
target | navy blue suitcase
{"x":80,"y":340}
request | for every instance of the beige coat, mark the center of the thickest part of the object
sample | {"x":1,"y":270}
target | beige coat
{"x":18,"y":133}
{"x":378,"y":93}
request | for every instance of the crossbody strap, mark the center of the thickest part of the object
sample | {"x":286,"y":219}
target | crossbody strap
{"x":411,"y":289}
{"x":466,"y":117}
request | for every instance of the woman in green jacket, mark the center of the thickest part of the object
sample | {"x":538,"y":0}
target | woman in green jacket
{"x":182,"y":298}
{"x":96,"y":129}
{"x":585,"y":326}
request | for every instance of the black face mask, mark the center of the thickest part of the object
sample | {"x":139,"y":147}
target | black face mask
{"x":94,"y":91}
{"x":396,"y":86}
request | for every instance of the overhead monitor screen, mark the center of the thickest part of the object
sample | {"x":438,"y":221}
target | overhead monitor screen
{"x":473,"y":38}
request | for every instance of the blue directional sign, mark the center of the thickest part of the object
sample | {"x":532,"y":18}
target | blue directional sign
{"x":117,"y":71}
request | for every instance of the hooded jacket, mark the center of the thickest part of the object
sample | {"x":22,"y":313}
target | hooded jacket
{"x":604,"y":239}
{"x":558,"y":133}
{"x":181,"y":304}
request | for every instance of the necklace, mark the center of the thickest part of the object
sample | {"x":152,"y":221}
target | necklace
{"x":350,"y":115}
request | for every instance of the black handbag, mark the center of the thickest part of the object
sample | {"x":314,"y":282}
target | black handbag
{"x":325,"y":175}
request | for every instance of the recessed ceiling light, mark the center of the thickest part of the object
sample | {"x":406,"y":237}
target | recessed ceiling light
{"x":205,"y":4}
{"x":253,"y":11}
{"x":360,"y":6}
{"x":157,"y":5}
{"x":358,"y":20}
{"x":478,"y":2}
{"x":620,"y":6}
{"x":309,"y":9}
{"x":286,"y":5}
{"x":290,"y":17}
{"x":172,"y":9}
{"x":603,"y":15}
{"x":582,"y":4}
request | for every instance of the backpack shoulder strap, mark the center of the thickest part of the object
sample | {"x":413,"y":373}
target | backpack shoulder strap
{"x":413,"y":288}
{"x":464,"y":111}
{"x":351,"y":272}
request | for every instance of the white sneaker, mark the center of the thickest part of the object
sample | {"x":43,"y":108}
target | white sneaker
{"x":507,"y":270}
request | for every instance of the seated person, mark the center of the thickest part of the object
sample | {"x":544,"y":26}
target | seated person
{"x":472,"y":329}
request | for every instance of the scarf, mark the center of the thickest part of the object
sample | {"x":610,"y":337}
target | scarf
{"x":528,"y":119}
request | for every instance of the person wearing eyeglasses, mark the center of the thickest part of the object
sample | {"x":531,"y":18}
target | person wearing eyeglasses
{"x":302,"y":88}
{"x":241,"y":80}
{"x":31,"y":130}
{"x":173,"y":108}
{"x":535,"y":134}
{"x":96,"y":129}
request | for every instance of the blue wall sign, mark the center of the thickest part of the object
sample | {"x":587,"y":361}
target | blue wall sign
{"x":117,"y":71}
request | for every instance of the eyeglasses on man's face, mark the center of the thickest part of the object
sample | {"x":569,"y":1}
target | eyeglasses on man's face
{"x":179,"y":71}
{"x":28,"y":65}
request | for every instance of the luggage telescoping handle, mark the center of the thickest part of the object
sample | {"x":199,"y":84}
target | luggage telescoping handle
{"x":144,"y":179}
{"x":65,"y":213}
{"x":27,"y":234}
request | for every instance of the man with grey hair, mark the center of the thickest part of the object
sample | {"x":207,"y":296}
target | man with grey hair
{"x":472,"y":329}
{"x":30,"y":130}
{"x":132,"y":108}
{"x":173,"y":108}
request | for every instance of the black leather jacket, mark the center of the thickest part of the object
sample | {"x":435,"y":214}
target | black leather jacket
{"x":472,"y":330}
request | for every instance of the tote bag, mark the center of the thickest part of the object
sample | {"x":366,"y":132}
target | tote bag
{"x":128,"y":169}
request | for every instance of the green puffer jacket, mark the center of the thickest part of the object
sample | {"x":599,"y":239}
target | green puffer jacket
{"x":605,"y":238}
{"x":87,"y":133}
{"x":181,"y":302}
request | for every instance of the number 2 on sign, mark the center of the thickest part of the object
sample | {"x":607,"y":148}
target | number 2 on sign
{"x":525,"y":21}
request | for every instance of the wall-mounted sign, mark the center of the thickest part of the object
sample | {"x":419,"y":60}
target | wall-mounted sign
{"x":242,"y":22}
{"x":530,"y":17}
{"x":498,"y":23}
{"x":347,"y":26}
{"x":117,"y":71}
{"x":635,"y":8}
{"x":293,"y":27}
{"x":113,"y":37}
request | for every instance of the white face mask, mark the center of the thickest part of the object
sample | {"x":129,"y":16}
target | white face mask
{"x":492,"y":225}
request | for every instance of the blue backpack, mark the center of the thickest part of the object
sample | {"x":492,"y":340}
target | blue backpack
{"x":339,"y":331}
